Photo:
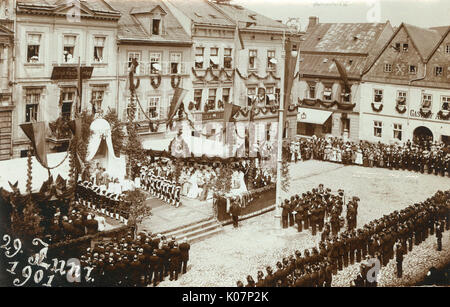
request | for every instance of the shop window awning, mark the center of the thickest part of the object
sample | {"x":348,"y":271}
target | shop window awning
{"x":313,"y":116}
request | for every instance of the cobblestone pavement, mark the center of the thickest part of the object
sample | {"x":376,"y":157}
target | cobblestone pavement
{"x":233,"y":254}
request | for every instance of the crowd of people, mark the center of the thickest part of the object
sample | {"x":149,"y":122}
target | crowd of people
{"x":126,"y":261}
{"x":424,"y":157}
{"x":391,"y":236}
{"x":320,"y":210}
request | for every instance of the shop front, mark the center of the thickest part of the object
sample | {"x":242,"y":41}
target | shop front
{"x":313,"y":122}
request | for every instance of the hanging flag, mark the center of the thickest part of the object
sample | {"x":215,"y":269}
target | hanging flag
{"x":79,"y":87}
{"x":76,"y":127}
{"x":36,"y":133}
{"x":238,"y":41}
{"x":289,"y":69}
{"x":229,"y":111}
{"x":344,"y":77}
{"x":178,"y":97}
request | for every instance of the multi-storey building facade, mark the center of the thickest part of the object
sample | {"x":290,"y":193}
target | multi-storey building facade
{"x":6,"y":77}
{"x":406,"y":91}
{"x":329,"y":98}
{"x":53,"y":39}
{"x":153,"y":36}
{"x":223,"y":71}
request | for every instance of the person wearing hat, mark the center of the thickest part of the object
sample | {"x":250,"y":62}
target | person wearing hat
{"x":235,"y":210}
{"x":175,"y":260}
{"x":184,"y":255}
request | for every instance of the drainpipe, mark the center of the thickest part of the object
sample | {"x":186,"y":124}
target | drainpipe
{"x":117,"y":80}
{"x":410,"y":85}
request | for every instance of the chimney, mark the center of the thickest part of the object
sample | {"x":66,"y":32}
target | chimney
{"x":313,"y":21}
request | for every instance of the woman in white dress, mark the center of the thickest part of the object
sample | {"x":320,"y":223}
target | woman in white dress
{"x":359,"y":157}
{"x":241,"y":182}
{"x":193,"y":190}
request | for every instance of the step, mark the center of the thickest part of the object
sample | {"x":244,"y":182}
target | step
{"x":205,"y":235}
{"x":171,"y":230}
{"x":199,"y":231}
{"x":179,"y":232}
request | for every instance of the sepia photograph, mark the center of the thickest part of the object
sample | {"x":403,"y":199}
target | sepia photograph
{"x":199,"y":147}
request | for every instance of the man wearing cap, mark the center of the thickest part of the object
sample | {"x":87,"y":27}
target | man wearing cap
{"x":175,"y":255}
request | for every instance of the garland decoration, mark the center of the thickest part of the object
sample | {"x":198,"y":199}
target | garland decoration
{"x":155,"y":81}
{"x":425,"y":112}
{"x":271,"y":73}
{"x":175,"y":81}
{"x":400,"y":105}
{"x":444,"y":114}
{"x":346,"y":106}
{"x":377,"y":109}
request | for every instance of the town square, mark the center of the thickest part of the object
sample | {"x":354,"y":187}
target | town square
{"x":223,"y":143}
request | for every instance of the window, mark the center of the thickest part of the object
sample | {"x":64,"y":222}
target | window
{"x":199,"y":57}
{"x":175,"y":62}
{"x":251,"y":95}
{"x":226,"y":95}
{"x":398,"y":132}
{"x":378,"y":96}
{"x":312,"y":90}
{"x":133,"y":55}
{"x":156,"y":26}
{"x":198,"y":97}
{"x":227,"y":58}
{"x":153,"y":107}
{"x":155,"y":62}
{"x":427,"y":99}
{"x":387,"y":67}
{"x":214,"y":58}
{"x":68,"y":98}
{"x":271,"y":61}
{"x":278,"y":95}
{"x":405,"y":47}
{"x":346,"y":97}
{"x":397,"y":47}
{"x":69,"y":48}
{"x":438,"y":71}
{"x":377,"y":128}
{"x":327,"y":92}
{"x":33,"y":46}
{"x":252,"y":59}
{"x":97,"y":99}
{"x":445,"y":106}
{"x":447,"y":48}
{"x":412,"y":69}
{"x":401,"y":97}
{"x":32,"y":99}
{"x":99,"y":45}
{"x":270,"y":96}
{"x":211,"y":105}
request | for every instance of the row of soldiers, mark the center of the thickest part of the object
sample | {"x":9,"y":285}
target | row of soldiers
{"x":92,"y":197}
{"x":161,"y":187}
{"x":380,"y":240}
{"x":319,"y":209}
{"x":127,"y":262}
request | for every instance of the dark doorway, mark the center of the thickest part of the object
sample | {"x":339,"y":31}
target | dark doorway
{"x":422,"y":136}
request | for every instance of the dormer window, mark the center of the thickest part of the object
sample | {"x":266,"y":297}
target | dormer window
{"x":156,"y":26}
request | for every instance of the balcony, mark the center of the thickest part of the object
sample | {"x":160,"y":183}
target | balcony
{"x":164,"y":68}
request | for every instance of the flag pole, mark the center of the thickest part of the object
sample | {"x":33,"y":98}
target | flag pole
{"x":280,"y":137}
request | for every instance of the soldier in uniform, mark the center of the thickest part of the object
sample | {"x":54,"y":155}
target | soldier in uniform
{"x":399,"y":252}
{"x":439,"y":231}
{"x":175,"y":255}
{"x":235,"y":211}
{"x":184,"y":249}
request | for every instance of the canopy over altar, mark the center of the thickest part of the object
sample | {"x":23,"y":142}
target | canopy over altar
{"x":101,"y":150}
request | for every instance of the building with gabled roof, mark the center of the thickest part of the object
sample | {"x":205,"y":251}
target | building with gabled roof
{"x":406,"y":89}
{"x":149,"y":32}
{"x":53,"y":38}
{"x":225,"y":71}
{"x":328,"y":95}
